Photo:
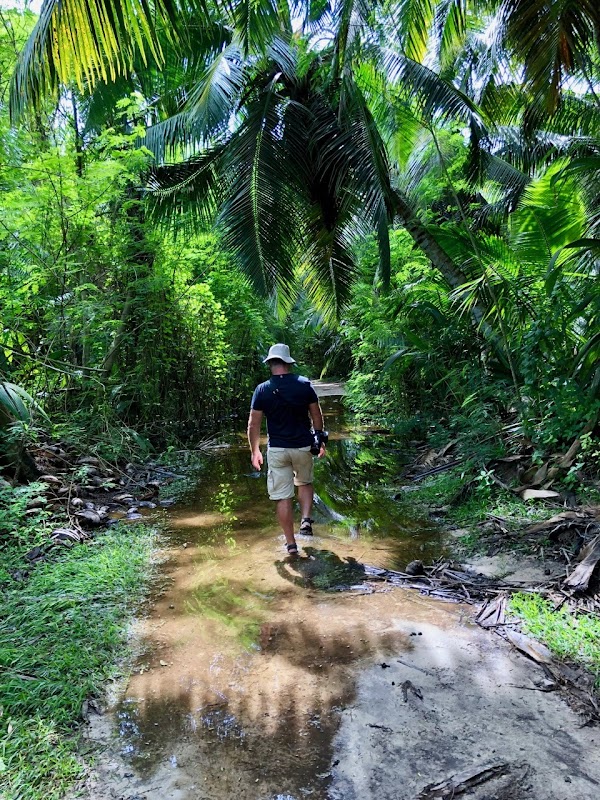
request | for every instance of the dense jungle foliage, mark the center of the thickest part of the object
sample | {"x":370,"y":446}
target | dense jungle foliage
{"x":405,"y":192}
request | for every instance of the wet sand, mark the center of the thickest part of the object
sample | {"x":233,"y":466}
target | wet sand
{"x":255,"y":687}
{"x":256,"y":681}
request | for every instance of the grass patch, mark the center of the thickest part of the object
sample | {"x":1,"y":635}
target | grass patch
{"x":22,"y":527}
{"x":575,"y":638}
{"x":62,"y":633}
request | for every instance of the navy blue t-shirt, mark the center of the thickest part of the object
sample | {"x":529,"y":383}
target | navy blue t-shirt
{"x":284,"y":400}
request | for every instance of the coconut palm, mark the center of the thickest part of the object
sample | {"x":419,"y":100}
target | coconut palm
{"x":280,"y":118}
{"x":276,"y":136}
{"x":307,"y":170}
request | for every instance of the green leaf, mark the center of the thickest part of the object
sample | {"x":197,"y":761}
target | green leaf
{"x":556,"y":266}
{"x":17,"y":403}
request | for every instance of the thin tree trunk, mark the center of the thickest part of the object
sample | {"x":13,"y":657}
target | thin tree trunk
{"x":121,"y":331}
{"x":78,"y":138}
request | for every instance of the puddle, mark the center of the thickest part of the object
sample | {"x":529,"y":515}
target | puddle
{"x":258,"y":680}
{"x":249,"y":658}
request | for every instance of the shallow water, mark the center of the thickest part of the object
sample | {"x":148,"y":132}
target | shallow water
{"x":250,"y":657}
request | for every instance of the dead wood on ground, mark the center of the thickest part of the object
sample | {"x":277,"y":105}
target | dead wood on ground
{"x":446,"y":580}
{"x":86,"y":493}
{"x":465,"y":781}
{"x":588,"y":558}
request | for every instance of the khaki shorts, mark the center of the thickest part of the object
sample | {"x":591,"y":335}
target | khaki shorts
{"x":288,"y":467}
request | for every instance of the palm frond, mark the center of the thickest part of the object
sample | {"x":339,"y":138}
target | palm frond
{"x":284,"y":56}
{"x":504,"y":102}
{"x":549,"y":217}
{"x":313,"y":12}
{"x":552,"y":38}
{"x":191,"y":190}
{"x":433,"y":97}
{"x":332,"y":265}
{"x":350,"y":19}
{"x":352,"y":155}
{"x":576,"y":115}
{"x":586,"y":171}
{"x":502,"y":185}
{"x":585,"y":252}
{"x":451,"y":22}
{"x":413,"y":22}
{"x":88,"y":41}
{"x":16,"y":403}
{"x":255,"y":23}
{"x":393,"y":116}
{"x":207,"y":109}
{"x":259,"y":218}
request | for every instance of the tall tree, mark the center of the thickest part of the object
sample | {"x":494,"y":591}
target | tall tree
{"x":263,"y":113}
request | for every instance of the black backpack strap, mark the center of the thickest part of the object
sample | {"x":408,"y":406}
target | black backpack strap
{"x":296,"y":409}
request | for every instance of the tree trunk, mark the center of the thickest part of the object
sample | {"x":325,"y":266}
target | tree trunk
{"x":120,"y":334}
{"x":78,"y":137}
{"x":436,"y":254}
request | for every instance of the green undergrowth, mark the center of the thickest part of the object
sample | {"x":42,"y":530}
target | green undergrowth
{"x":571,"y":637}
{"x":466,"y":498}
{"x":21,"y":527}
{"x":62,"y":634}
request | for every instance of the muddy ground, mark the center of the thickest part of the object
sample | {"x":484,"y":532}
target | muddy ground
{"x":254,"y":680}
{"x":321,"y":707}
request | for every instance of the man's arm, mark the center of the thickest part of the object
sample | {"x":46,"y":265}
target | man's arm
{"x":316,"y":415}
{"x":254,"y":423}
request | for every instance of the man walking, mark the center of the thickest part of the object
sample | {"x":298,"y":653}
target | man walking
{"x":290,"y":404}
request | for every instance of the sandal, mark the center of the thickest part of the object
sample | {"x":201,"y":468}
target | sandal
{"x":306,"y":526}
{"x":292,"y":549}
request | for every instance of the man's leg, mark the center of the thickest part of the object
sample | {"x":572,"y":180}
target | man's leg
{"x":285,"y":516}
{"x":305,"y":498}
{"x":303,"y":478}
{"x":280,"y":483}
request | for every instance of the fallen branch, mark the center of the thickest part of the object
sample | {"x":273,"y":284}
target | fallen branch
{"x":408,"y":686}
{"x":530,"y":647}
{"x":435,"y":470}
{"x":463,"y":781}
{"x":492,"y":613}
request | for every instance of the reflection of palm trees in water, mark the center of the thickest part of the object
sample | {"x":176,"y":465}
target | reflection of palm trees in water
{"x":339,"y":478}
{"x":272,"y":712}
{"x":352,"y":488}
{"x":321,"y":569}
{"x":347,"y":482}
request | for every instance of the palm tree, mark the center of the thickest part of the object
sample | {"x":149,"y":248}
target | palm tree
{"x":275,"y":125}
{"x":316,"y":169}
{"x":303,"y":169}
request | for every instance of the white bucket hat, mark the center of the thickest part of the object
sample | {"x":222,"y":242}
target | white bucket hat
{"x":280,"y":351}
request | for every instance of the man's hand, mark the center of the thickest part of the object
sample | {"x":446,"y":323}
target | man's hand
{"x":257,"y":459}
{"x":321,"y":451}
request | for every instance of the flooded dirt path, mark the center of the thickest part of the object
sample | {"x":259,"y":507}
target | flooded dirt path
{"x":257,"y":680}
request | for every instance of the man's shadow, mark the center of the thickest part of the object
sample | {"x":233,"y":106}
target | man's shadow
{"x":320,"y":569}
